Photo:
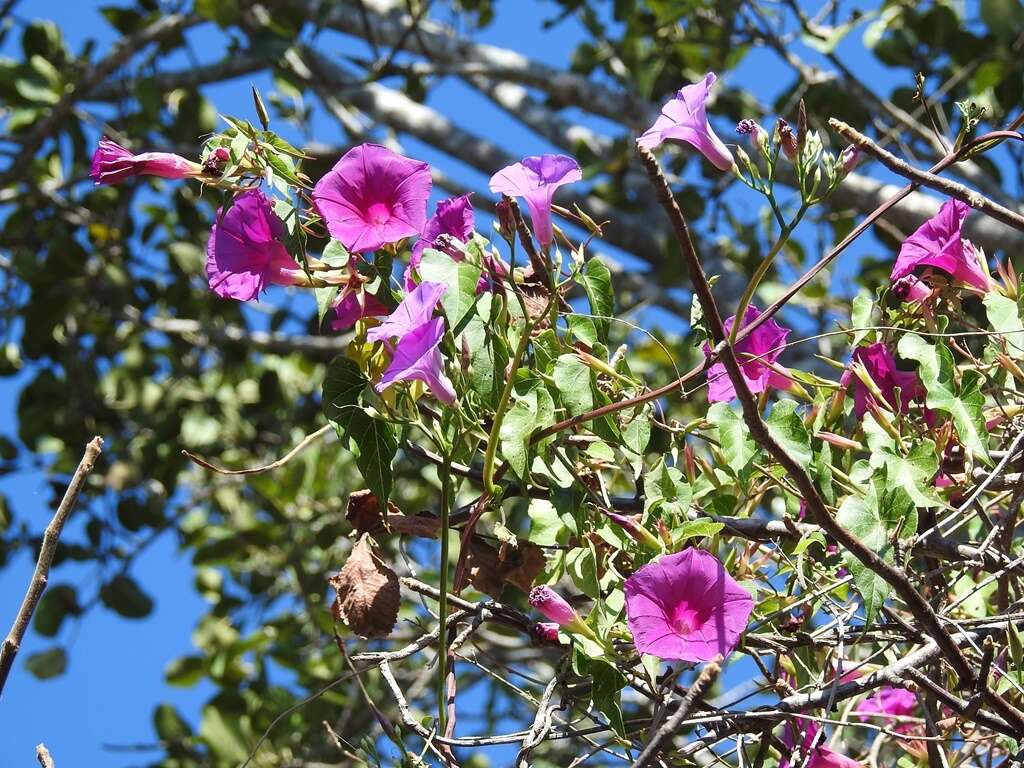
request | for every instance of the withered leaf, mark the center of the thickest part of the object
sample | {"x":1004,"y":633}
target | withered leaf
{"x":489,"y":572}
{"x":364,"y":514}
{"x":368,"y":592}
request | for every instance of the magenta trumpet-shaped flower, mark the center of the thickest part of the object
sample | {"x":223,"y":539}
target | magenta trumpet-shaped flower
{"x":417,"y":357}
{"x":880,"y":366}
{"x":245,"y":253}
{"x":535,"y":179}
{"x":415,"y":311}
{"x":452,"y":217}
{"x":684,"y":118}
{"x":805,"y":732}
{"x":755,"y":354}
{"x":373,"y":197}
{"x":891,"y":703}
{"x":686,"y":607}
{"x":112,"y":164}
{"x":939,"y":243}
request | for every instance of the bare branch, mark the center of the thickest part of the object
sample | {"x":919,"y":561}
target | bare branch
{"x":49,"y":546}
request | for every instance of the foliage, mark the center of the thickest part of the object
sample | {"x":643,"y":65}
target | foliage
{"x":555,"y":465}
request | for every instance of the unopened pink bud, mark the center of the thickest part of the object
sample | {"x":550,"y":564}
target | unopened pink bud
{"x":553,"y":606}
{"x":112,"y":164}
{"x":635,"y":530}
{"x":849,"y":158}
{"x":546,"y":631}
{"x":839,"y":441}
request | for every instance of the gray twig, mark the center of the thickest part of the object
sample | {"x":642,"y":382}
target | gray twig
{"x":39,"y":578}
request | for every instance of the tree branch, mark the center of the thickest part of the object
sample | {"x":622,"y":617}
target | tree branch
{"x":37,"y":586}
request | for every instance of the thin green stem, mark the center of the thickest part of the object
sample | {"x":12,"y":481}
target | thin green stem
{"x":442,"y":600}
{"x":761,"y":271}
{"x":499,"y":412}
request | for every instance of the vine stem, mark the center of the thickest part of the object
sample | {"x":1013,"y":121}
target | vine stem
{"x":442,"y":598}
{"x":761,"y":271}
{"x":499,"y":412}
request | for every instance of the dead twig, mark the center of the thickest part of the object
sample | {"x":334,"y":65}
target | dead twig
{"x":49,"y":546}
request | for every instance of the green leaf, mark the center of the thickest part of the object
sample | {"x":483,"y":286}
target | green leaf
{"x":531,"y":412}
{"x":665,"y":488}
{"x":913,"y":473}
{"x":546,"y":526}
{"x":873,"y":518}
{"x":487,"y":359}
{"x":607,"y":684}
{"x":786,"y":426}
{"x":695,"y":529}
{"x":169,"y":724}
{"x":324,"y":298}
{"x":637,"y":433}
{"x":59,"y":601}
{"x":372,"y":440}
{"x":122,"y":595}
{"x":863,"y":305}
{"x":227,"y":733}
{"x":733,"y":436}
{"x":185,"y":671}
{"x":582,"y":569}
{"x":935,"y":366}
{"x":597,"y":282}
{"x":1004,"y":317}
{"x":47,"y":664}
{"x":573,"y":379}
{"x":461,"y":278}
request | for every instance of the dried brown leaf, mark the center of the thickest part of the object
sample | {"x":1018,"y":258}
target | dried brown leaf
{"x":489,"y":572}
{"x":364,"y":515}
{"x":368,"y":592}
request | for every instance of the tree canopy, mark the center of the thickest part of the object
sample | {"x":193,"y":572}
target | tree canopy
{"x":860,"y":504}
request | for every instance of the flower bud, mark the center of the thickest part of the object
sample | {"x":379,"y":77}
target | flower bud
{"x":801,"y":127}
{"x":213,"y":165}
{"x":849,"y":158}
{"x":839,"y":441}
{"x":909,"y":288}
{"x":640,"y":534}
{"x":553,"y":606}
{"x":787,"y":140}
{"x":758,"y":135}
{"x":546,"y":631}
{"x":506,"y":225}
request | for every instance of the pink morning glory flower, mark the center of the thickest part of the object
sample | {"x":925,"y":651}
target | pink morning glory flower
{"x":880,"y":365}
{"x":686,"y":607}
{"x":939,"y":243}
{"x":353,"y":306}
{"x":452,"y":217}
{"x":417,"y":357}
{"x":373,"y":197}
{"x":112,"y":164}
{"x":535,"y":179}
{"x":684,"y":118}
{"x":245,"y":253}
{"x":821,"y":756}
{"x":553,"y":606}
{"x":891,"y":703}
{"x":755,"y":354}
{"x":415,"y":311}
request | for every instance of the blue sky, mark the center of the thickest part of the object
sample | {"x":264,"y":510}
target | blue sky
{"x":115,"y":675}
